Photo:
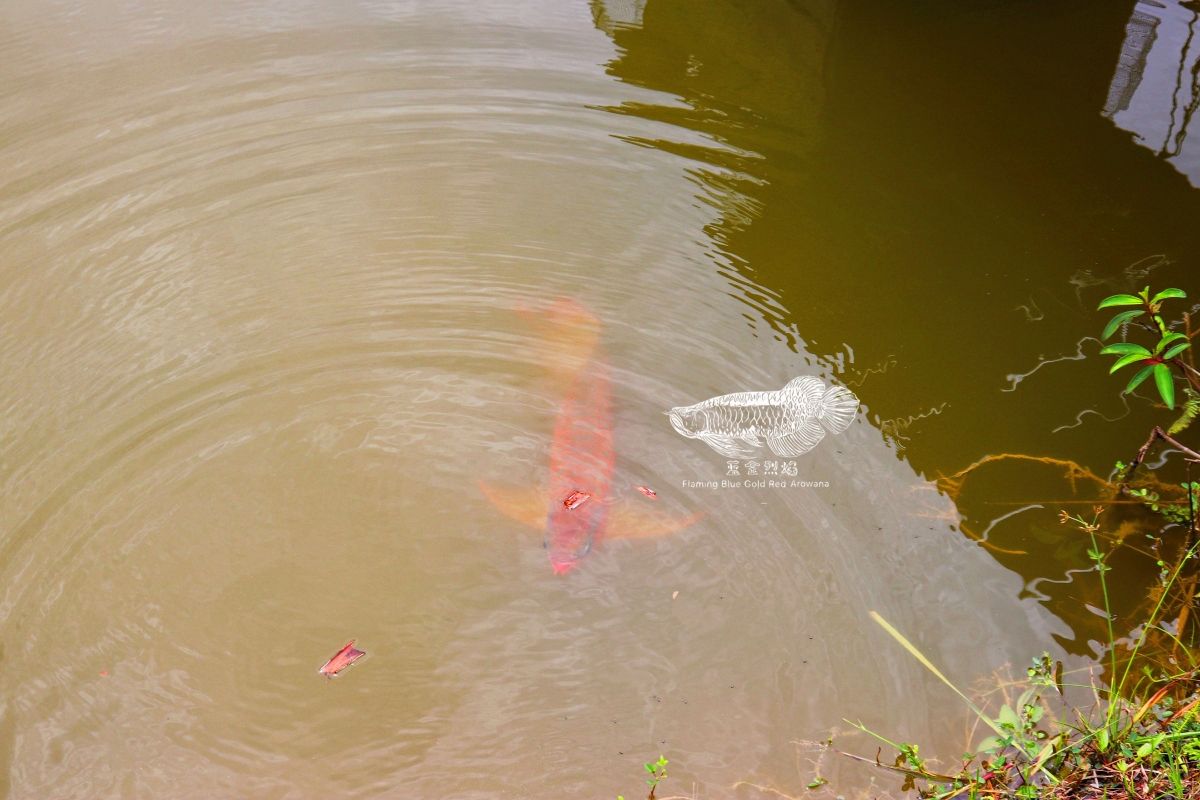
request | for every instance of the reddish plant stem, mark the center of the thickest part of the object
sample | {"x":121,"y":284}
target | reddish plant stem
{"x":1159,"y":433}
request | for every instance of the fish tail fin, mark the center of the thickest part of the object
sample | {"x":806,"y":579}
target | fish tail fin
{"x":838,"y":408}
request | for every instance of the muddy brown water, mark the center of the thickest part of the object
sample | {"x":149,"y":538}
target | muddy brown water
{"x":259,"y":271}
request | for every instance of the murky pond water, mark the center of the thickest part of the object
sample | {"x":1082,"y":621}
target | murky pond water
{"x":277,"y":292}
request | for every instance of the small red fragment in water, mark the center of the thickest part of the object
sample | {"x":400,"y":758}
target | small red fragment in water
{"x":342,"y":659}
{"x":103,"y":673}
{"x":575,"y":499}
{"x":646,"y":490}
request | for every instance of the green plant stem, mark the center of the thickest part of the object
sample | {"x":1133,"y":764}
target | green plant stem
{"x":1178,"y":643}
{"x":1171,"y":737}
{"x":1108,"y":617}
{"x":1115,"y":694}
{"x":1158,"y":321}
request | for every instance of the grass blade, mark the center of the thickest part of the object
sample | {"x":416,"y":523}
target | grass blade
{"x":929,"y":665}
{"x":925,"y":662}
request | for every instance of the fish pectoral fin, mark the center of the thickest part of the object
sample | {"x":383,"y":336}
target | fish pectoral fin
{"x":798,"y":440}
{"x":519,"y":503}
{"x":728,"y":446}
{"x":630,"y":521}
{"x":752,"y":439}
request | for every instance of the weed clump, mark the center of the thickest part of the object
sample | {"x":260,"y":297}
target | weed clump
{"x":1143,"y":744}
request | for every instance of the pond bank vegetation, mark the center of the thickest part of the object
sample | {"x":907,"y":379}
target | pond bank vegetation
{"x":1135,"y":733}
{"x":1131,"y":732}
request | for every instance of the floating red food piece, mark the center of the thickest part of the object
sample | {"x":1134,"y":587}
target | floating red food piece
{"x":646,"y":490}
{"x":342,"y":659}
{"x":575,"y":499}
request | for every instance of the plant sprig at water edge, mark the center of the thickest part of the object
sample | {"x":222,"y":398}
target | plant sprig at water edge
{"x":1167,"y":350}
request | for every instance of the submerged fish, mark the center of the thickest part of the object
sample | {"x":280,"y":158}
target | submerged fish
{"x":341,"y":659}
{"x":792,"y":420}
{"x":581,"y":452}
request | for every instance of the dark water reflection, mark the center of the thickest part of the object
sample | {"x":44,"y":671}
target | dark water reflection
{"x":932,"y":199}
{"x":1154,"y":91}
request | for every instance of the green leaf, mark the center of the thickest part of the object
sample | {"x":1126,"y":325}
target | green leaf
{"x":1137,"y":379}
{"x":1167,"y":339}
{"x":1168,"y":293}
{"x":1118,"y":321}
{"x":990,"y":745}
{"x":1008,"y":717}
{"x":1176,"y":350}
{"x":1125,"y":349}
{"x":1125,"y":361}
{"x":817,"y":783}
{"x":1166,"y":384}
{"x":1119,"y":300}
{"x":1145,"y":749}
{"x":1102,"y":739}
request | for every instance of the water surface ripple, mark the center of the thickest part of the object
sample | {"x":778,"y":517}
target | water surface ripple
{"x":259,"y":275}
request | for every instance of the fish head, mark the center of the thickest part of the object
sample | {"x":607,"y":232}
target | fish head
{"x":568,"y":333}
{"x":567,"y":312}
{"x":688,"y":421}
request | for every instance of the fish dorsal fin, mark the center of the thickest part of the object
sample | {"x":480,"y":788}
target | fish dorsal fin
{"x":629,"y":521}
{"x":799,"y":440}
{"x":519,"y":503}
{"x":808,"y":387}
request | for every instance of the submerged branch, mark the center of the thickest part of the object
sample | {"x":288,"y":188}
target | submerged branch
{"x":1073,"y":471}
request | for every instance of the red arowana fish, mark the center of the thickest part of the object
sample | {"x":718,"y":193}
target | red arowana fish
{"x":341,"y":659}
{"x":582,"y":459}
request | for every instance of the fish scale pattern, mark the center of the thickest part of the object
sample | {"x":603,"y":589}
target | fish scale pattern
{"x":793,"y":419}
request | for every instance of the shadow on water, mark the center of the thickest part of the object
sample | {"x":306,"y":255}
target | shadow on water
{"x":931,"y":199}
